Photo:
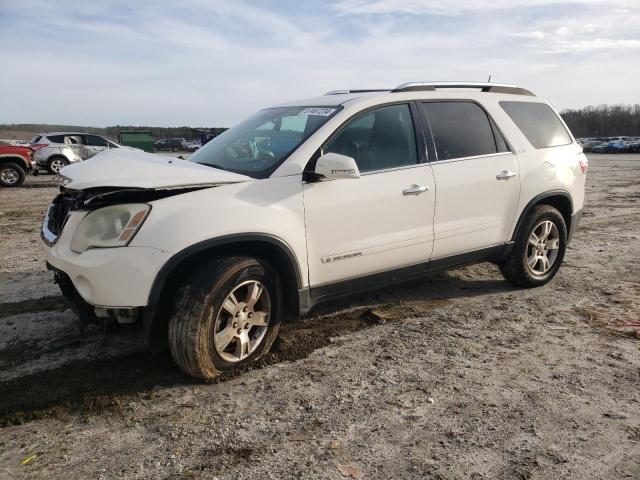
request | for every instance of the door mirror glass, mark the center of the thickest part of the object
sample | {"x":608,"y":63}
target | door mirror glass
{"x":334,"y":165}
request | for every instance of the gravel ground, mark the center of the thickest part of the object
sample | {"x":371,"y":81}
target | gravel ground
{"x":466,"y":378}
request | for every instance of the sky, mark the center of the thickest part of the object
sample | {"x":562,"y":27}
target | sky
{"x":214,"y":62}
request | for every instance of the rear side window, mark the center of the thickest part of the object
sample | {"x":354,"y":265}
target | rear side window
{"x":36,"y":139}
{"x":462,"y":129}
{"x":56,"y":138}
{"x":538,"y":122}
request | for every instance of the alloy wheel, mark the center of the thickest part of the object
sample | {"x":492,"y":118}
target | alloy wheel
{"x":543,"y":247}
{"x":57,"y":165}
{"x":242,"y":321}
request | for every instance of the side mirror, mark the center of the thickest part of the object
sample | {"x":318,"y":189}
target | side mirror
{"x":332,"y":166}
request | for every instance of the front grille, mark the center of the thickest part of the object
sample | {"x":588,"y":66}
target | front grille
{"x":56,"y":217}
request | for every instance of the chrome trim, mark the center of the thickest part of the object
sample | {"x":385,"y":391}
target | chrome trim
{"x":449,"y":160}
{"x":404,"y":167}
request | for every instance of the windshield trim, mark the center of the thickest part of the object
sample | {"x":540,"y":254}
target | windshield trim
{"x":269,"y":171}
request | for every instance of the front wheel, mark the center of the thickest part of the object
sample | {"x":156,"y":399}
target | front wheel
{"x":227,"y":314}
{"x":11,"y":175}
{"x":538,"y":249}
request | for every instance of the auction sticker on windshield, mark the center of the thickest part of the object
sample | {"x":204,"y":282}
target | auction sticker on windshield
{"x":320,"y":111}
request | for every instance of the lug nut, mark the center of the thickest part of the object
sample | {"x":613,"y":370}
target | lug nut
{"x":239,"y":331}
{"x":235,"y":324}
{"x":250,"y":314}
{"x":245,"y":309}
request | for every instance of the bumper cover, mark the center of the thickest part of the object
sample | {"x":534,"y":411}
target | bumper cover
{"x":109,"y":277}
{"x":575,"y":221}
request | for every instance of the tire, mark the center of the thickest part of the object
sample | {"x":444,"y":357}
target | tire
{"x":55,"y":164}
{"x":11,"y":175}
{"x":525,"y":266}
{"x":199,"y":313}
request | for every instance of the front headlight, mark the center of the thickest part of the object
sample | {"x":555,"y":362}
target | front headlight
{"x":112,"y":226}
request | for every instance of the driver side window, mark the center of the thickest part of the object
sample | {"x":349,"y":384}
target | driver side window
{"x":379,"y":139}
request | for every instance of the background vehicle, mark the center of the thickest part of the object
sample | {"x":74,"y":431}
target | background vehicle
{"x":192,"y":145}
{"x":169,"y":144}
{"x":15,"y":163}
{"x":59,"y":149}
{"x":314,"y":200}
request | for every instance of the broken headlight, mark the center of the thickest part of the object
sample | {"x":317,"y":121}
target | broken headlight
{"x":112,"y":226}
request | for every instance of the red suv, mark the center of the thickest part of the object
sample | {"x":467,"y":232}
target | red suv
{"x":15,"y":162}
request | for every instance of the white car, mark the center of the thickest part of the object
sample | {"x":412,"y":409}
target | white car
{"x":313,"y":200}
{"x":56,"y":150}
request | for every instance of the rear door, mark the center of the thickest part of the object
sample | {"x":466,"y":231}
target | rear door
{"x":476,"y":176}
{"x":382,"y":220}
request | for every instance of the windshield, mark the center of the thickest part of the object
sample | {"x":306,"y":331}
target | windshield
{"x":258,"y":145}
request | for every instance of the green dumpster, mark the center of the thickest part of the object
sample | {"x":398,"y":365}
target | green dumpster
{"x":141,"y":140}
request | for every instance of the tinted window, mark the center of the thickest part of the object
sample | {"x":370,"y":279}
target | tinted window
{"x":56,"y":138}
{"x":379,"y":139}
{"x":461,"y":129}
{"x":538,"y":122}
{"x":95,"y":141}
{"x":36,"y":139}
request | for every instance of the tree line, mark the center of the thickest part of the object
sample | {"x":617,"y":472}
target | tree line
{"x":592,"y":121}
{"x":112,"y":132}
{"x":603,"y":120}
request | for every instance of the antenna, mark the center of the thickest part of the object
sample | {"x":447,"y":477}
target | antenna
{"x":489,"y":79}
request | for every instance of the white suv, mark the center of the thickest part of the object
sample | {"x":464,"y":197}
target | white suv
{"x":312,"y":200}
{"x":56,"y":150}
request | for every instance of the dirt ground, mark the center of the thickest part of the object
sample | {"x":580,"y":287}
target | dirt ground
{"x":460,"y":376}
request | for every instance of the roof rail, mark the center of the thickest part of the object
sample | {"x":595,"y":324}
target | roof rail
{"x":342,"y":92}
{"x":484,"y":87}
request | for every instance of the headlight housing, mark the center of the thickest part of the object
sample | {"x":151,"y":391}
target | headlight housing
{"x":112,"y":226}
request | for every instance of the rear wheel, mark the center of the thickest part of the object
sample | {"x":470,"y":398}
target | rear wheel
{"x":11,"y":175}
{"x":55,"y":164}
{"x":538,"y":249}
{"x":227,"y":315}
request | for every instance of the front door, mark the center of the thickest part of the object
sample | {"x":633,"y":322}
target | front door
{"x":380,"y":221}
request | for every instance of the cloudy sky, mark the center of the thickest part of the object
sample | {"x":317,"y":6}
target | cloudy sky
{"x":210,"y":62}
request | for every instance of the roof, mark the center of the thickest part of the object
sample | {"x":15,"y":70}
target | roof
{"x":423,"y":89}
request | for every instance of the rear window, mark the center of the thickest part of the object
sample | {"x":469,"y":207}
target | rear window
{"x":538,"y":122}
{"x":462,"y":129}
{"x":36,"y":139}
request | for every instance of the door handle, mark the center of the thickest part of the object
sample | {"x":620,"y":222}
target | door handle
{"x":415,"y":190}
{"x":505,"y":175}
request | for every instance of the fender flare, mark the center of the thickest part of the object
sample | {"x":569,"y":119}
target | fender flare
{"x":15,"y":158}
{"x":535,"y":200}
{"x":225,"y":240}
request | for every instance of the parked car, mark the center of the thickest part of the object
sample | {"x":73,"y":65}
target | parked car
{"x":15,"y":163}
{"x":192,"y":146}
{"x":310,"y":201}
{"x":169,"y":144}
{"x":59,"y":149}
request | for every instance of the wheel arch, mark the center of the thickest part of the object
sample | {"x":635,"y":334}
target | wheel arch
{"x":53,"y":156}
{"x":266,"y":247}
{"x":17,"y":159}
{"x":559,"y":199}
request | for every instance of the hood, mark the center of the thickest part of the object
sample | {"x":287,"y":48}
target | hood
{"x":138,"y":169}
